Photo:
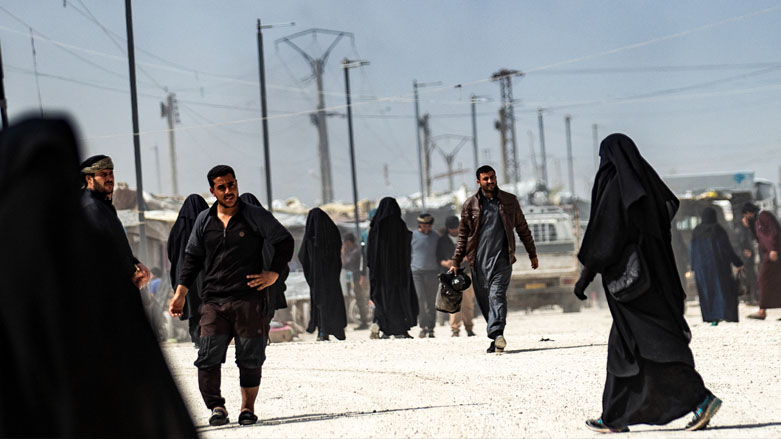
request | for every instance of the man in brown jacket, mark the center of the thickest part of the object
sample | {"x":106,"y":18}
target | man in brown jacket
{"x":486,"y":240}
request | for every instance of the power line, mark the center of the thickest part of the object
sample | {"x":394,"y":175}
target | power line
{"x":35,"y":69}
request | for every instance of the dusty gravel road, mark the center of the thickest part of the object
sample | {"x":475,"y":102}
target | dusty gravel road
{"x":449,"y":387}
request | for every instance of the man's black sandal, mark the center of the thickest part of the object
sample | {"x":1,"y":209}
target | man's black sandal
{"x":218,"y":417}
{"x":247,"y":418}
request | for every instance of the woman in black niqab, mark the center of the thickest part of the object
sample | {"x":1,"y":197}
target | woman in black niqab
{"x":712,"y":257}
{"x":79,"y":358}
{"x":276,"y":292}
{"x":320,"y":257}
{"x":390,"y":276}
{"x":650,"y":368}
{"x":177,"y":242}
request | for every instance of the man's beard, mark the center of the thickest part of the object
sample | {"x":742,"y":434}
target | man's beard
{"x":101,"y":189}
{"x":221,"y":203}
{"x":489,"y":191}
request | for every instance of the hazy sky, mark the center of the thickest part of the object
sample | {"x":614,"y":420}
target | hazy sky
{"x":696,"y":84}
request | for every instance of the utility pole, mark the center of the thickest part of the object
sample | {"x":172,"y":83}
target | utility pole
{"x":319,"y":118}
{"x":570,"y":169}
{"x":420,"y":148}
{"x":450,"y":157}
{"x":3,"y":102}
{"x":347,"y":65}
{"x":507,"y":116}
{"x":596,"y":147}
{"x":157,"y":168}
{"x":428,"y":148}
{"x":533,"y":154}
{"x":501,"y":126}
{"x":264,"y":110}
{"x":473,"y":100}
{"x":418,"y":127}
{"x":131,"y":57}
{"x":543,"y":159}
{"x":170,"y":110}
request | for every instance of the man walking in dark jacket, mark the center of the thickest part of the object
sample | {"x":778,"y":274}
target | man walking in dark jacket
{"x":98,"y":184}
{"x":486,"y":240}
{"x":227,"y":244}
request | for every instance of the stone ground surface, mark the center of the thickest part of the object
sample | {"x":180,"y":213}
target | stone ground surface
{"x":449,"y":387}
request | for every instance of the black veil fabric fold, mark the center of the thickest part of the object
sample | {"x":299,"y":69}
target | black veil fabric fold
{"x":177,"y":243}
{"x":320,"y":257}
{"x":650,"y":368}
{"x":79,"y":356}
{"x":276,"y":292}
{"x":388,"y":258}
{"x":629,"y":202}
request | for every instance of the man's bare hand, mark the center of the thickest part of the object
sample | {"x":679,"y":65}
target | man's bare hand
{"x":773,"y":256}
{"x":453,"y":268}
{"x":262,"y":280}
{"x":535,"y":262}
{"x":176,"y":306}
{"x":141,"y":276}
{"x":747,"y":253}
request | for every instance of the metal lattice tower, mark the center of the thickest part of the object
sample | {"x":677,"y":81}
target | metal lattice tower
{"x":318,"y":118}
{"x":511,"y":172}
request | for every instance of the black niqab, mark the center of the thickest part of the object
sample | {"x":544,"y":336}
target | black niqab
{"x":276,"y":292}
{"x":390,"y":275}
{"x":651,"y":377}
{"x":79,"y":356}
{"x":629,"y":202}
{"x":177,"y":242}
{"x":320,"y":257}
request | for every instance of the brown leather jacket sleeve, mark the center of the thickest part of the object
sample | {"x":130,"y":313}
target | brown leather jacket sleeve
{"x":522,"y":229}
{"x":464,"y":228}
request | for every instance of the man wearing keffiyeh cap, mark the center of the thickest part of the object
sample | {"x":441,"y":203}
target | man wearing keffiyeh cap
{"x":98,"y":184}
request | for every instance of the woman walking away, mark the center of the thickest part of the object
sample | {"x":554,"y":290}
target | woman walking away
{"x":390,"y":275}
{"x":650,"y":368}
{"x":177,"y":242}
{"x":711,"y":256}
{"x":320,"y":258}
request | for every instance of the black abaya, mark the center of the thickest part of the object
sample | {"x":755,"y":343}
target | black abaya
{"x":276,"y":292}
{"x":177,"y":242}
{"x":79,"y":356}
{"x":649,"y":360}
{"x":320,"y":257}
{"x":390,"y":275}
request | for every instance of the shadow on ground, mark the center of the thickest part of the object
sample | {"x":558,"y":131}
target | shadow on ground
{"x":328,"y":416}
{"x":520,"y":351}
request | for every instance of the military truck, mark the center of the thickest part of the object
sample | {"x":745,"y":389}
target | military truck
{"x":556,"y":236}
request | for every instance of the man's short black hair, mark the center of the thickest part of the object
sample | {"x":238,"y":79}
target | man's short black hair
{"x":484,"y":170}
{"x":219,"y":171}
{"x":451,"y":222}
{"x":749,"y":207}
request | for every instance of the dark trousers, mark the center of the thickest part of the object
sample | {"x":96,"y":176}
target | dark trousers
{"x":194,"y":328}
{"x":244,"y":320}
{"x":491,"y":296}
{"x":426,"y":284}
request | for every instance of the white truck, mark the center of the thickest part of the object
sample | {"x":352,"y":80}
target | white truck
{"x":556,"y":236}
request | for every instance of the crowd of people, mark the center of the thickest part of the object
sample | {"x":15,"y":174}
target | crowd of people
{"x":229,"y":263}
